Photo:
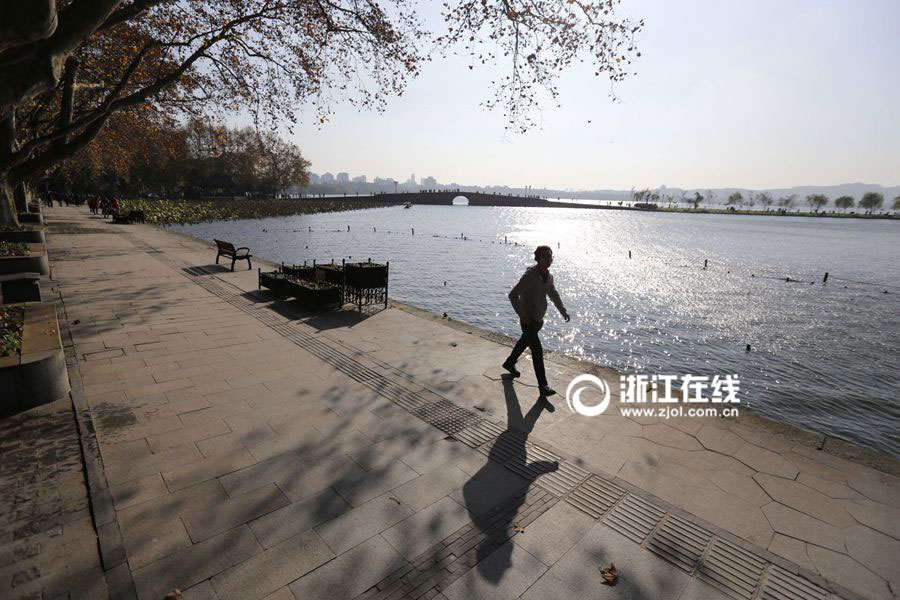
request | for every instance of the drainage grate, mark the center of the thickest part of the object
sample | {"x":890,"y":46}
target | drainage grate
{"x":634,"y":518}
{"x":732,"y":569}
{"x":784,"y":585}
{"x":680,"y":542}
{"x":509,"y":445}
{"x":595,"y":496}
{"x":534,"y":462}
{"x":563,"y":480}
{"x":397,"y":394}
{"x":479,"y":433}
{"x":446,"y":416}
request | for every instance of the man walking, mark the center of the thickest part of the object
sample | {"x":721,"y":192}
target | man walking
{"x":529,"y":300}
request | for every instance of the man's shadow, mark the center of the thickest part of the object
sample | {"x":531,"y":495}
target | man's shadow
{"x":494,"y":495}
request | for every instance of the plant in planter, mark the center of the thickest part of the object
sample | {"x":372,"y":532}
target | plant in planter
{"x":331,"y":272}
{"x":12,"y":319}
{"x":24,"y":234}
{"x":313,"y":294}
{"x":13,"y":249}
{"x":17,"y":257}
{"x":299,"y":271}
{"x":273,"y":280}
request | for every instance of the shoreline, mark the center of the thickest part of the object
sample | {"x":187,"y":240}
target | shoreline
{"x":817,"y":441}
{"x":194,"y":211}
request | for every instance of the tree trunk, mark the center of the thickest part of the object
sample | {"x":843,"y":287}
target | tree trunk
{"x":22,"y":196}
{"x":7,"y":204}
{"x":7,"y":197}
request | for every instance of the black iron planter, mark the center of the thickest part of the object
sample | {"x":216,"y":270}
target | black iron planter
{"x":366,"y":275}
{"x":273,"y":280}
{"x":313,"y":294}
{"x":299,"y":271}
{"x":366,"y":283}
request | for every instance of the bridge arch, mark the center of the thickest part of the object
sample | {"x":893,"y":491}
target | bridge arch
{"x":460,"y":201}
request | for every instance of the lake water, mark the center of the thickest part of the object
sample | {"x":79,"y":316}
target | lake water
{"x":824,"y":357}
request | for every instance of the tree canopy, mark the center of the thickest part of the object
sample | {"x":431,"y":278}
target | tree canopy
{"x":871,"y":201}
{"x":195,"y":160}
{"x":844,"y":202}
{"x":67,"y":67}
{"x":816,"y":201}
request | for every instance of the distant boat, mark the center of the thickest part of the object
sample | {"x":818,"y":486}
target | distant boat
{"x":407,"y":205}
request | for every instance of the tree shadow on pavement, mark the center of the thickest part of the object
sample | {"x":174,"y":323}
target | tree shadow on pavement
{"x":493,"y":495}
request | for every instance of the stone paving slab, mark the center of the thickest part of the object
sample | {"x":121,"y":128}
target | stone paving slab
{"x":237,"y":416}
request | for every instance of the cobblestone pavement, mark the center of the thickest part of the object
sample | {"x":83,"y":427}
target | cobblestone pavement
{"x":252,"y":450}
{"x":48,"y":547}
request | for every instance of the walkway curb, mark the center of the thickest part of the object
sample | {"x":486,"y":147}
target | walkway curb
{"x":120,"y":583}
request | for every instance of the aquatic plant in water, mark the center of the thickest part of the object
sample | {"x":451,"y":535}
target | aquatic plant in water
{"x":166,"y":212}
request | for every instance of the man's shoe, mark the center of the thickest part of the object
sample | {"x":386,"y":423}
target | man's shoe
{"x":511,"y":369}
{"x":546,"y":391}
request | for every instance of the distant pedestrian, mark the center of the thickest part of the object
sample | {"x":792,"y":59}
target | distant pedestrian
{"x":529,"y":300}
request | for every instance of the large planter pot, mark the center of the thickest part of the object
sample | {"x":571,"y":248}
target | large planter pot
{"x":35,"y":236}
{"x":313,"y":294}
{"x":37,"y":375}
{"x":35,"y":262}
{"x":365,"y":275}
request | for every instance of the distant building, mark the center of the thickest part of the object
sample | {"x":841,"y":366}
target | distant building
{"x":383,"y":181}
{"x":343,"y":177}
{"x":359,"y":179}
{"x":326,"y":179}
{"x":412,"y":179}
{"x":429,"y":182}
{"x":314,"y":178}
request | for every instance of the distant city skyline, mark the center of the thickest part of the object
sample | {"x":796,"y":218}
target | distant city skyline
{"x":754,"y":95}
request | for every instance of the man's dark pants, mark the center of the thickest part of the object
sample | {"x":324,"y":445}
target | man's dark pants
{"x":531,"y":341}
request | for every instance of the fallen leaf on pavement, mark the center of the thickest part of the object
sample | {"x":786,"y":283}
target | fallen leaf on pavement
{"x":609,"y":574}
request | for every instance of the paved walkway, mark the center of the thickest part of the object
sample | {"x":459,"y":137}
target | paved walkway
{"x":255,"y":451}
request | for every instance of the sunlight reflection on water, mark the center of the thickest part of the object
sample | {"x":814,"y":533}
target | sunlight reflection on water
{"x":824,"y":357}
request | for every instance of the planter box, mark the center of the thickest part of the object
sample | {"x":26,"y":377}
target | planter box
{"x":365,"y":275}
{"x":35,"y":236}
{"x":30,"y":218}
{"x":272,"y":282}
{"x":323,"y":295}
{"x":299,"y":271}
{"x":330,"y":272}
{"x":37,"y":375}
{"x":36,"y":262}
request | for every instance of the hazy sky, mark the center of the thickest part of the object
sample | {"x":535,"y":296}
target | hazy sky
{"x":759,"y":94}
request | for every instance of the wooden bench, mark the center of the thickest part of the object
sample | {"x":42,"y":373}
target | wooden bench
{"x":228,"y":250}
